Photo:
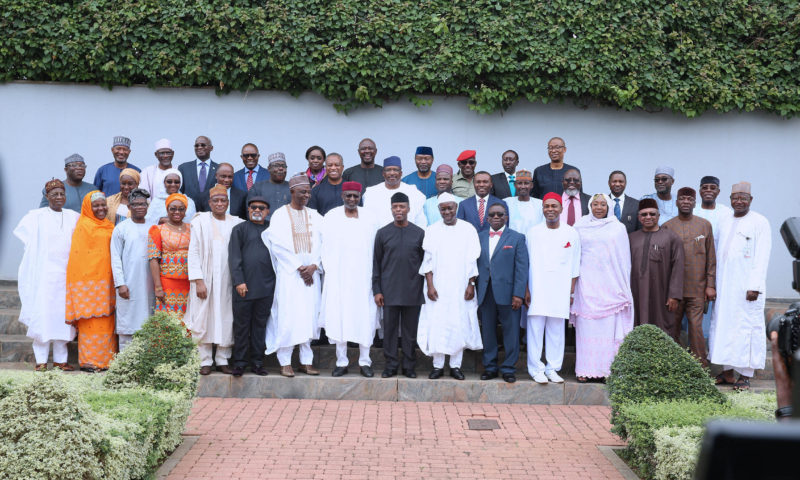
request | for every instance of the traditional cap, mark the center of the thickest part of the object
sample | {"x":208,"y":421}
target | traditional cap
{"x":466,"y":155}
{"x":97,"y":195}
{"x":400,"y":197}
{"x":352,"y":187}
{"x":666,"y":170}
{"x":446,"y":197}
{"x":647,"y":203}
{"x":54,"y":183}
{"x":179,"y":197}
{"x":276,"y":157}
{"x":257,"y":198}
{"x":709,"y":179}
{"x":163,"y":143}
{"x":424,"y":151}
{"x":552,"y":196}
{"x":129,"y":172}
{"x":520,"y":174}
{"x":73,"y":158}
{"x":444,"y":169}
{"x":741,"y":187}
{"x":121,"y":142}
{"x":687,"y":191}
{"x":217,"y":190}
{"x":298,"y":179}
{"x":392,"y":161}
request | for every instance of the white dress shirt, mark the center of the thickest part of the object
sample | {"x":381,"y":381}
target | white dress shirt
{"x":493,"y":239}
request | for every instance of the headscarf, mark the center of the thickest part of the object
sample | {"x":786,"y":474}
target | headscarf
{"x":173,"y":171}
{"x":177,"y":196}
{"x":594,"y":221}
{"x":90,"y":283}
{"x":114,"y":201}
{"x":129,"y":172}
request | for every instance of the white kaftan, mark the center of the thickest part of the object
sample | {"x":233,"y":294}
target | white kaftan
{"x":378,"y":199}
{"x":47,"y":236}
{"x":713,"y":216}
{"x":152,"y":180}
{"x":522,"y":216}
{"x":131,"y":268}
{"x":211,"y":319}
{"x":450,"y":324}
{"x":295,"y":308}
{"x":348,"y":311}
{"x":555,"y":258}
{"x":738,"y":336}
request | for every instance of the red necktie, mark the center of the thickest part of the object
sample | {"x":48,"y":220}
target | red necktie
{"x":571,"y":212}
{"x":481,"y":210}
{"x":497,"y":233}
{"x":249,"y":179}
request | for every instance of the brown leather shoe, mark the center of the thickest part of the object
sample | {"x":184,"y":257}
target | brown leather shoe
{"x":205,"y":370}
{"x":287,"y":371}
{"x":40,"y":367}
{"x":64,"y":367}
{"x":308,"y":370}
{"x":224,"y":369}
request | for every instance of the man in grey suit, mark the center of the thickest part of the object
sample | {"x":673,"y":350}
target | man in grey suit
{"x":199,"y":175}
{"x":502,"y":279}
{"x":622,"y":206}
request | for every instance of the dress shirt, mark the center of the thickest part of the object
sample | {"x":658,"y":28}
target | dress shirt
{"x":208,"y":169}
{"x":493,"y":239}
{"x":610,"y":200}
{"x":576,"y":207}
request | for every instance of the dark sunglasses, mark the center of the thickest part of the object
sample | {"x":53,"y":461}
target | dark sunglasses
{"x":200,"y":145}
{"x":258,"y":207}
{"x":172,"y":182}
{"x":496,"y":214}
{"x":647,"y":214}
{"x":351,"y":195}
{"x":249,"y":155}
{"x":468,"y":162}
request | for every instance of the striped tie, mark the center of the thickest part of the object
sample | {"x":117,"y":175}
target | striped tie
{"x":481,"y":210}
{"x":249,"y":179}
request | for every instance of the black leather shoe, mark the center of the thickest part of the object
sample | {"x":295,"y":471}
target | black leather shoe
{"x":410,"y":373}
{"x":339,"y":371}
{"x":260,"y":371}
{"x":388,"y":373}
{"x":436,"y":373}
{"x":509,"y":377}
{"x":237,"y":371}
{"x":456,"y":373}
{"x":366,"y":371}
{"x":488,"y":375}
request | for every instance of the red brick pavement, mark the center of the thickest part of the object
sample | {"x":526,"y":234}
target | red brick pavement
{"x":309,"y":439}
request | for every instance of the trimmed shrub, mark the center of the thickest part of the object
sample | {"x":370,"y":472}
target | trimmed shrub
{"x":650,"y":366}
{"x":676,"y":451}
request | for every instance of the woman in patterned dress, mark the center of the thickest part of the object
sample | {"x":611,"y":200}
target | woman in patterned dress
{"x":167,"y":249}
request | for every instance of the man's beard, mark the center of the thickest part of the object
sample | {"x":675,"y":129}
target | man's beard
{"x":572,"y":192}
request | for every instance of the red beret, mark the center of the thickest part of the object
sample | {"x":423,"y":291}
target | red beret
{"x":351,"y":186}
{"x":466,"y":155}
{"x":552,"y":196}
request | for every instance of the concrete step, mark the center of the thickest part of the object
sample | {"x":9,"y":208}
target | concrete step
{"x":10,"y":324}
{"x":9,"y":297}
{"x":19,"y":348}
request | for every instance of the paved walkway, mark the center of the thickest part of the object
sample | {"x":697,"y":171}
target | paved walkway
{"x":326,"y":439}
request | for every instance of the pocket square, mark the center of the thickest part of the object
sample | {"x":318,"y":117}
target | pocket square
{"x":507,"y":247}
{"x":567,"y":245}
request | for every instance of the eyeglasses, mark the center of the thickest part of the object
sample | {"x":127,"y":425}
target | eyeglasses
{"x":555,"y":147}
{"x":172,"y":182}
{"x":76,"y":165}
{"x":740,"y":198}
{"x":467,"y":162}
{"x":572,"y":180}
{"x":258,"y":207}
{"x":661,"y":179}
{"x":165,"y":154}
{"x":249,"y":155}
{"x":278,"y":165}
{"x":196,"y":145}
{"x":496,"y":214}
{"x":647,"y":214}
{"x":176,"y":209}
{"x":137,"y":205}
{"x":352,"y":195}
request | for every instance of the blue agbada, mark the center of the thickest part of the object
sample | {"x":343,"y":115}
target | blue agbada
{"x":107,"y":178}
{"x":425,"y":185}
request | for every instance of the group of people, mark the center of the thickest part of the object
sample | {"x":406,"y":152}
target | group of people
{"x":443,"y":258}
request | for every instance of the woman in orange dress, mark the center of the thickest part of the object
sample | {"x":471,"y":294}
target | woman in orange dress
{"x":90,"y":285}
{"x":168,"y":249}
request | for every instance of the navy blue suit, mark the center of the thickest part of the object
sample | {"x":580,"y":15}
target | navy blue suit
{"x":468,"y":211}
{"x":500,"y":278}
{"x":240,"y":177}
{"x":191,"y":186}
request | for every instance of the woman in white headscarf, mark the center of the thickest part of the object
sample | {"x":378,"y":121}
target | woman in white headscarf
{"x":603,"y":308}
{"x":157,"y":211}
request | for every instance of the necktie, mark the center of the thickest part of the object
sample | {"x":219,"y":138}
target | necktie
{"x":249,"y":179}
{"x":481,"y":210}
{"x":512,"y":185}
{"x":571,"y":212}
{"x":497,"y":233}
{"x":617,"y":212}
{"x":201,"y":179}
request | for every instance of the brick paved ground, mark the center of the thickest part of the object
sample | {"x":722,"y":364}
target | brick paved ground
{"x":305,"y":439}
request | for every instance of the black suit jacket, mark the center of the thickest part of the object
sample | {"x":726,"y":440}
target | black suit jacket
{"x":630,"y":213}
{"x":500,"y":188}
{"x":238,"y":206}
{"x":585,"y":197}
{"x":191,"y":187}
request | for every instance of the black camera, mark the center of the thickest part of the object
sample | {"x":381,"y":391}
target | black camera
{"x":788,"y":328}
{"x":790,"y":231}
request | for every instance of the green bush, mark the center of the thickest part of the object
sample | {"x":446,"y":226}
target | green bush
{"x":688,"y":56}
{"x":160,"y":356}
{"x":650,"y":366}
{"x":676,"y":450}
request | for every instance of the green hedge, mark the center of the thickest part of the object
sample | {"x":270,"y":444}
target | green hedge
{"x":685,"y":55}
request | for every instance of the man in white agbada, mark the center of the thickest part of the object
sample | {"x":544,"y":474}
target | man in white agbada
{"x":524,"y":211}
{"x":209,"y":314}
{"x":348,"y":311}
{"x":47,"y":235}
{"x":293,"y":239}
{"x":554,"y":250}
{"x":736,"y":340}
{"x":153,"y":176}
{"x":131,"y":269}
{"x":377,"y":197}
{"x":448,"y":322}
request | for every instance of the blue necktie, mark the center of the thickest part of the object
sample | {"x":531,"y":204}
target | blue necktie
{"x":617,"y":212}
{"x":201,"y":179}
{"x":512,"y":185}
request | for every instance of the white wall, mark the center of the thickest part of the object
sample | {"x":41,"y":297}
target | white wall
{"x":41,"y":124}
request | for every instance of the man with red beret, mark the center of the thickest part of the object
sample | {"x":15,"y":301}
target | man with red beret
{"x":347,"y":310}
{"x":656,"y":271}
{"x":462,"y":181}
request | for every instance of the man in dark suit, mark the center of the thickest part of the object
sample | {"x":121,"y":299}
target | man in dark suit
{"x":622,"y":206}
{"x":236,"y":197}
{"x":252,"y":172}
{"x":474,"y":208}
{"x":503,"y":183}
{"x":502,"y":279}
{"x":576,"y":203}
{"x":199,"y":174}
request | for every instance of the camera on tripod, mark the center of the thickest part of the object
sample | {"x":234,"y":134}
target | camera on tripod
{"x":788,"y":324}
